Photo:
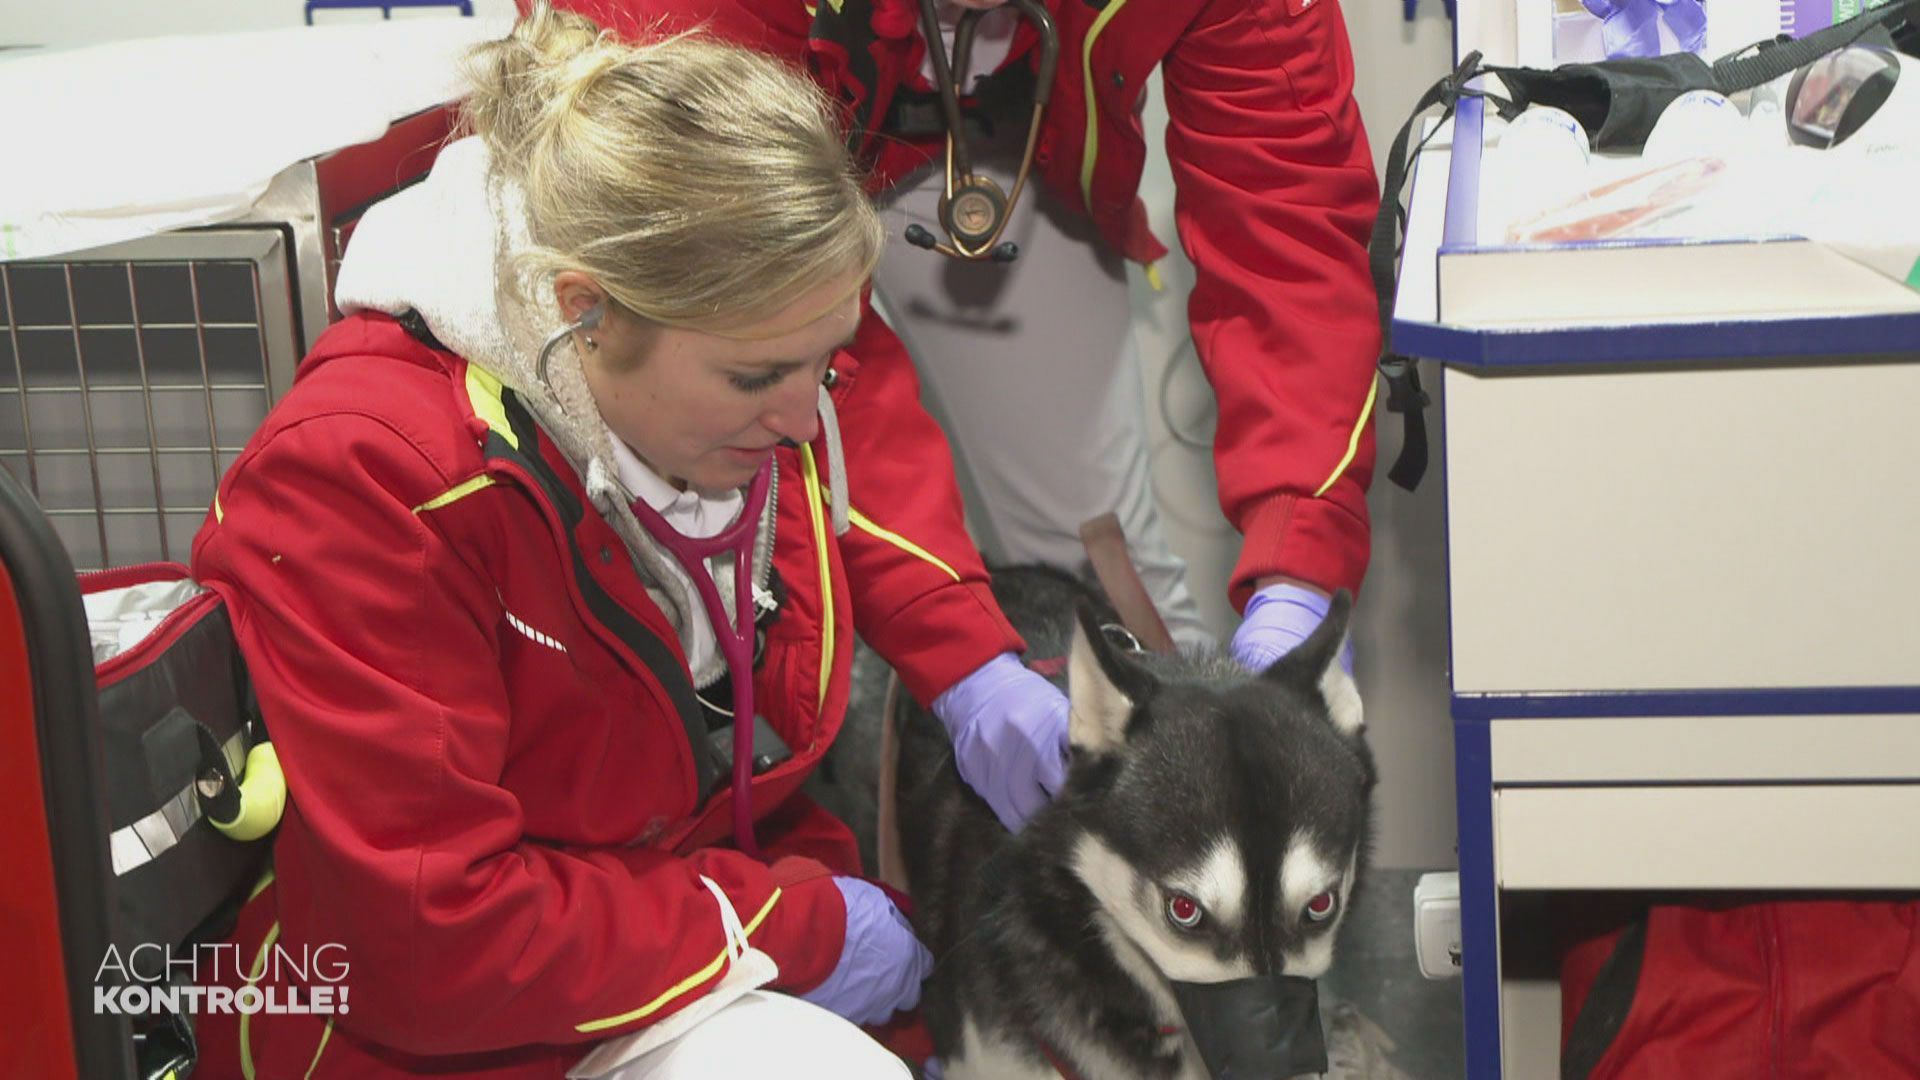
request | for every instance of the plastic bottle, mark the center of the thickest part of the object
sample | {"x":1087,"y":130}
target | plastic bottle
{"x":1541,"y":162}
{"x":1698,"y":123}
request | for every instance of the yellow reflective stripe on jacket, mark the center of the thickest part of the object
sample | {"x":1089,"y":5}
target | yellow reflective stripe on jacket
{"x":483,"y":392}
{"x":325,"y":1034}
{"x":818,"y":514}
{"x":260,"y":886}
{"x":683,"y":985}
{"x":455,"y":493}
{"x":866,"y":525}
{"x":1353,"y":439}
{"x":1091,"y":150}
{"x":219,"y":515}
{"x":259,"y":969}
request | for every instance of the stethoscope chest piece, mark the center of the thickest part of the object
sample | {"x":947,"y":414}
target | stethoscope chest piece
{"x":974,"y":212}
{"x":973,"y":209}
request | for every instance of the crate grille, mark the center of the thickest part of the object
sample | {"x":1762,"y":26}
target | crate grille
{"x":128,"y":385}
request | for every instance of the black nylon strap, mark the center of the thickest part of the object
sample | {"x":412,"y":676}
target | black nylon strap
{"x":1404,"y":394}
{"x":1771,"y":59}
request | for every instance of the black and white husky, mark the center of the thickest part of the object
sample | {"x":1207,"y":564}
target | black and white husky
{"x":1165,"y":916}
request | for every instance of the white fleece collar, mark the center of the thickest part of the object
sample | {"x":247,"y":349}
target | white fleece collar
{"x":436,"y":249}
{"x":445,"y":248}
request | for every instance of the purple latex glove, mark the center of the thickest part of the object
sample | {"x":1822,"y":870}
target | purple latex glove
{"x":881,"y":965}
{"x":1278,"y":618}
{"x":1009,"y":729}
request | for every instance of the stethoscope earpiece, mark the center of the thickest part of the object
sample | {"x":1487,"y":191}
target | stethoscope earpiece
{"x":589,"y":319}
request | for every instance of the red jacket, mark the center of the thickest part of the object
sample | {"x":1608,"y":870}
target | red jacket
{"x":494,"y":811}
{"x":1275,"y":201}
{"x":1734,"y":987}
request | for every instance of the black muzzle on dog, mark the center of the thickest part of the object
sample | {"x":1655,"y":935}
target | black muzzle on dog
{"x":1266,"y":1027}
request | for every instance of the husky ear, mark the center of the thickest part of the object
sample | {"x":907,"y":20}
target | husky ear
{"x":1316,"y":662}
{"x":1103,"y":687}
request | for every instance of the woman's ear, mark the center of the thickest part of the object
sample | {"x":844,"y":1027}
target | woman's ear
{"x":577,"y":294}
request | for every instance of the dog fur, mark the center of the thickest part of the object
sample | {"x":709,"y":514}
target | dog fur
{"x":1249,"y":794}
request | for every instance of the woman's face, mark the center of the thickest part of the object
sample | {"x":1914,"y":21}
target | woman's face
{"x":704,"y":410}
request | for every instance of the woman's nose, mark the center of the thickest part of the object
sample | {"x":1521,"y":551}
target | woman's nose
{"x":794,"y":411}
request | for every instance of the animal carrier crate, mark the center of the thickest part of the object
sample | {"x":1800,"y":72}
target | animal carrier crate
{"x":136,"y":372}
{"x":131,"y":375}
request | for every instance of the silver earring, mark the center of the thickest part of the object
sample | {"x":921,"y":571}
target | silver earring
{"x":591,"y":344}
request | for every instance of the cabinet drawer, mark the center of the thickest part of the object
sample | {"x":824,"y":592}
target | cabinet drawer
{"x":1804,"y":836}
{"x":1656,"y":527}
{"x":1676,"y":749}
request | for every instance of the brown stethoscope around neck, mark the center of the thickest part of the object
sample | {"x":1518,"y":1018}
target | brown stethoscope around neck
{"x":973,"y":210}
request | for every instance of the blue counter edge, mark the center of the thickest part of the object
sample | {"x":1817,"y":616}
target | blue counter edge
{"x":1797,"y":701}
{"x":1889,"y":333}
{"x":1808,"y":338}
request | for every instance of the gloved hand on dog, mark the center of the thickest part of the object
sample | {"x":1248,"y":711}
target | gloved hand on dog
{"x":1009,"y":730}
{"x":1279,"y":617}
{"x":881,"y":965}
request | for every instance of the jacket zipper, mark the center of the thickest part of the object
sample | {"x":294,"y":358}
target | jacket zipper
{"x":763,"y":602}
{"x":116,"y":667}
{"x":111,"y":670}
{"x":177,"y":571}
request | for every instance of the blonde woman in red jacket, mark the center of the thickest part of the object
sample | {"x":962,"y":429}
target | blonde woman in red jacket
{"x":628,"y":303}
{"x":1031,"y":364}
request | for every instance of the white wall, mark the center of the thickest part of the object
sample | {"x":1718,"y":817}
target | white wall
{"x":1400,"y":639}
{"x":69,"y":23}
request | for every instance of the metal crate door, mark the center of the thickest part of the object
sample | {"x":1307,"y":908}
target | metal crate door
{"x":131,"y":376}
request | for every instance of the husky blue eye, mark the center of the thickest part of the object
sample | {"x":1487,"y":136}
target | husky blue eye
{"x":1184,"y":911}
{"x":1320,"y":908}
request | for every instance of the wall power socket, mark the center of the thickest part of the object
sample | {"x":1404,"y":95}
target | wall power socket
{"x":1436,"y":925}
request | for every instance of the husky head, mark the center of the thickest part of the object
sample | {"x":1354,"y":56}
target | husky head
{"x":1222,"y":817}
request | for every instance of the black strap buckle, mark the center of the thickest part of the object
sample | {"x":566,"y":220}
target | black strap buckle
{"x":1406,"y":397}
{"x":1404,"y":393}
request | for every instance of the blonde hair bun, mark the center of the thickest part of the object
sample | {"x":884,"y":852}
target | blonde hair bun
{"x":702,"y":184}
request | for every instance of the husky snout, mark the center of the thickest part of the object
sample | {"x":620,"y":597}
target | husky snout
{"x":1264,"y":1026}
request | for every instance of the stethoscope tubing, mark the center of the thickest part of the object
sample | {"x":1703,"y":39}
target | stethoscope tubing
{"x":734,"y":637}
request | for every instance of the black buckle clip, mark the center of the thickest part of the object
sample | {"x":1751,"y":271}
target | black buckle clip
{"x":1404,"y":393}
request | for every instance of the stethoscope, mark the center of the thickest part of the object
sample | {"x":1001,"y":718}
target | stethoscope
{"x":735,"y":637}
{"x":973,"y":210}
